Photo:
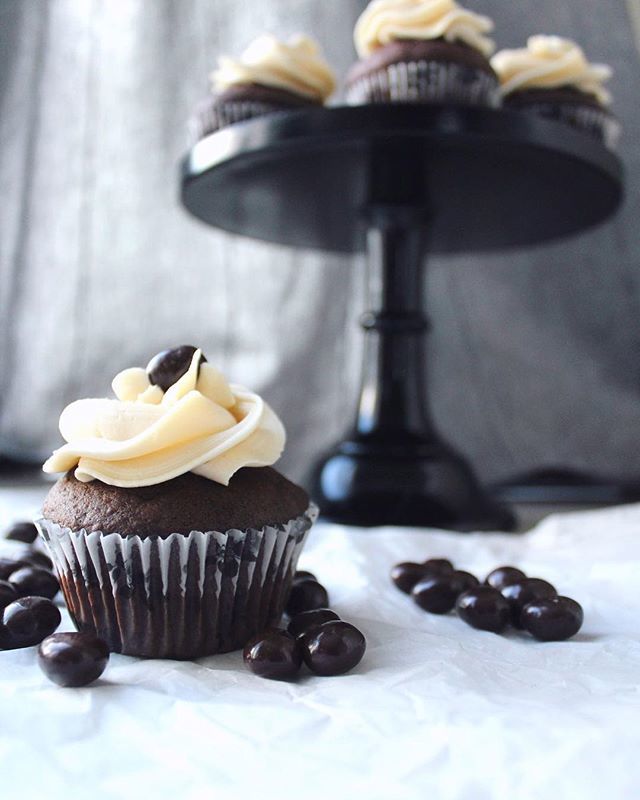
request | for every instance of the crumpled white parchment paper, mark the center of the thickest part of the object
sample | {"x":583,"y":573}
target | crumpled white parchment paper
{"x":435,"y":709}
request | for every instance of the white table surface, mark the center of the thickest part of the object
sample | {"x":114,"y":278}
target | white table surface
{"x":435,"y":709}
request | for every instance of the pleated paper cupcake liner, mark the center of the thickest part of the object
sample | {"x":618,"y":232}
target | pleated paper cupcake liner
{"x":595,"y":121}
{"x":212,"y":115}
{"x":426,"y":82}
{"x":183,"y":596}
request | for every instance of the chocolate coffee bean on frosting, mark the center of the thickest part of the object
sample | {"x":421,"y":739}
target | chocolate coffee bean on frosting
{"x":168,"y":366}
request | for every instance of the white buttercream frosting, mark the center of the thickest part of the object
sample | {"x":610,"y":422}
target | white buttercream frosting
{"x":296,"y":65}
{"x":549,"y":62}
{"x":385,"y":21}
{"x":201,"y":424}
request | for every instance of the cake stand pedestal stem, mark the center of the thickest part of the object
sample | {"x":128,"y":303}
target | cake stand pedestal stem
{"x":394,"y":468}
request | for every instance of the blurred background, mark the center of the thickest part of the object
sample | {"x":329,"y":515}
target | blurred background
{"x":535,"y":355}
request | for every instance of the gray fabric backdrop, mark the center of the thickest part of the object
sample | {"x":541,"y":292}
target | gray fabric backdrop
{"x":535,"y":356}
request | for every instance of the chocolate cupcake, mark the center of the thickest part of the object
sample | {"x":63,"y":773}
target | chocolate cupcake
{"x":422,"y":51}
{"x":552,"y":78}
{"x":269,"y":76}
{"x":171,"y":534}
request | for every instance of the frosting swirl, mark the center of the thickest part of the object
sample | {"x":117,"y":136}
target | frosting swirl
{"x":549,"y":62}
{"x":295,"y":65}
{"x":201,"y":424}
{"x":384,"y":21}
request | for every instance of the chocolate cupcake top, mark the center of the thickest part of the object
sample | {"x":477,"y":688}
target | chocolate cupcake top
{"x":551,"y":62}
{"x":296,"y":66}
{"x":253,"y":498}
{"x":179,"y":415}
{"x":386,"y":21}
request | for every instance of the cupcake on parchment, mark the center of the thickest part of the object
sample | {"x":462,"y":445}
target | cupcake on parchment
{"x":551,"y":77}
{"x":422,"y":51}
{"x":171,"y":534}
{"x":269,"y":76}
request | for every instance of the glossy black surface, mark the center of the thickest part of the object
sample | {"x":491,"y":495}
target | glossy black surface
{"x":305,"y":178}
{"x":9,"y":566}
{"x":303,"y":575}
{"x":35,"y":581}
{"x":168,"y":366}
{"x":406,"y":574}
{"x":552,"y":620}
{"x":400,"y":181}
{"x":526,"y":591}
{"x":466,"y":579}
{"x":36,"y":558}
{"x":28,"y":621}
{"x":503,"y":576}
{"x":275,"y":655}
{"x":310,"y":619}
{"x":333,"y":648}
{"x":394,"y":468}
{"x":438,"y":566}
{"x":22,"y":532}
{"x":306,"y":595}
{"x":484,"y":608}
{"x":437,"y":594}
{"x":7,"y":594}
{"x":73,"y":659}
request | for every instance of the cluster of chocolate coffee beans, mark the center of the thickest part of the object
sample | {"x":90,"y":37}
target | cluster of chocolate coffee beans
{"x":29,"y":617}
{"x":315,"y":635}
{"x":507,"y":596}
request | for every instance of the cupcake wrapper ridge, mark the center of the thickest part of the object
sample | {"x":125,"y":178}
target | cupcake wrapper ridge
{"x":213,"y":115}
{"x":183,"y":596}
{"x":426,"y":82}
{"x":595,"y":121}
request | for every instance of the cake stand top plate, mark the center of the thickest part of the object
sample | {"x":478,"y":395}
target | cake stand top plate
{"x":485,"y":179}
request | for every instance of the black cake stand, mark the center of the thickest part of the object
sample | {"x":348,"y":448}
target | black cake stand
{"x":401,"y":181}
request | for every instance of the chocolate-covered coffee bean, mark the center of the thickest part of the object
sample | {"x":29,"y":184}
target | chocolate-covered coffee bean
{"x":466,"y":579}
{"x":7,"y":594}
{"x":484,"y":608}
{"x":301,"y":623}
{"x":524,"y":592}
{"x":437,"y":594}
{"x":10,"y":565}
{"x":303,"y":575}
{"x":28,"y":621}
{"x":332,"y":648}
{"x":306,"y":596}
{"x":275,"y":655}
{"x":503,"y":576}
{"x":36,"y":558}
{"x":168,"y":366}
{"x":73,"y":659}
{"x":553,"y":619}
{"x":22,"y":532}
{"x":438,"y":566}
{"x":406,"y":574}
{"x":34,"y":581}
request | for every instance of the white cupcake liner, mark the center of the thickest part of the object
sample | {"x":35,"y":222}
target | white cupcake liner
{"x":595,"y":121}
{"x":182,"y":596}
{"x":426,"y":82}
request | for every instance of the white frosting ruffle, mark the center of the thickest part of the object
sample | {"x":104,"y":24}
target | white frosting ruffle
{"x":548,"y":62}
{"x":385,"y":21}
{"x":200,"y":424}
